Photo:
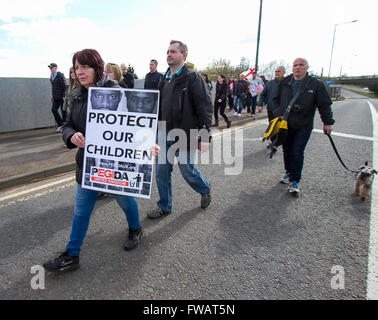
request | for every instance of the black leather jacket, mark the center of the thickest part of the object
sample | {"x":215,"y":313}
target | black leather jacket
{"x":76,"y":120}
{"x":221,"y":93}
{"x":191,"y":106}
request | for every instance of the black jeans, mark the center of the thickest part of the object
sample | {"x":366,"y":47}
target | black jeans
{"x":270,"y":115}
{"x":54,"y":109}
{"x":230,"y":101}
{"x":220,"y":106}
{"x":293,"y":151}
{"x":254,"y":104}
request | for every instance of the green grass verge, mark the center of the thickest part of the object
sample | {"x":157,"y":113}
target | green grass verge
{"x":366,"y":94}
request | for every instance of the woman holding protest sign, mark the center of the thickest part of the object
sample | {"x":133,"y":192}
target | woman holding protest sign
{"x":89,"y":69}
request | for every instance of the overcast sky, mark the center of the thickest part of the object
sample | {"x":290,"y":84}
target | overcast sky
{"x":35,"y":33}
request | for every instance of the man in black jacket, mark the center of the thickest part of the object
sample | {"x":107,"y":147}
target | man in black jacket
{"x":153,"y":77}
{"x":185,"y":108}
{"x":128,"y":78}
{"x":270,"y":90}
{"x":313,"y":94}
{"x":58,"y":84}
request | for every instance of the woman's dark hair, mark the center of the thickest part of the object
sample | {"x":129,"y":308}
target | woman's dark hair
{"x":91,"y":58}
{"x":224,"y":79}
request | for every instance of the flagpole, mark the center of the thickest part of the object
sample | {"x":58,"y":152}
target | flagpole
{"x":258,"y":38}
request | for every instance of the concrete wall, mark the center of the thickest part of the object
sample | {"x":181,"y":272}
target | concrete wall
{"x":25,"y":103}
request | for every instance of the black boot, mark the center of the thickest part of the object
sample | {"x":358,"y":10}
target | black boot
{"x":133,"y":239}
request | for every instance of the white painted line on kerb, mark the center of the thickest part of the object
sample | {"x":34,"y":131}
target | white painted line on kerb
{"x":14,"y":195}
{"x":347,"y":135}
{"x":372,"y":278}
{"x":243,"y":126}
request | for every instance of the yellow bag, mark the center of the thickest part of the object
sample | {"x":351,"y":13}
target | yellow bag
{"x":274,"y":127}
{"x":276,"y":133}
{"x":278,"y":128}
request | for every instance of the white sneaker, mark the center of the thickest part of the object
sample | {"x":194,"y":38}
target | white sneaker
{"x":285,"y":179}
{"x":293,"y":187}
{"x":235,"y":113}
{"x":59,"y":129}
{"x":239,"y":114}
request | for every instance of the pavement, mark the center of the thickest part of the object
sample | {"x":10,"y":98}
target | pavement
{"x":30,"y":155}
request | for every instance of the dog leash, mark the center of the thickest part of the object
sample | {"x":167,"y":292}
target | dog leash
{"x":338,"y":155}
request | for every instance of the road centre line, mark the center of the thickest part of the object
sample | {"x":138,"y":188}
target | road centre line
{"x":14,"y":195}
{"x":372,"y":277}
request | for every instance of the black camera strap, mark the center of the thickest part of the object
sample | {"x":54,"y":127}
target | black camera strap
{"x":293,"y":99}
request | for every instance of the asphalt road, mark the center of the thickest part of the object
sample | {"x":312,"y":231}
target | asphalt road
{"x":255,"y":241}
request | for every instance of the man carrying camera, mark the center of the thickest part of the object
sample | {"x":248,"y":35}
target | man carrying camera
{"x":312,"y":95}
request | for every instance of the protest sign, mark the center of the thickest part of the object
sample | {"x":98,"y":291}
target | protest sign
{"x":256,"y":88}
{"x":120,"y":131}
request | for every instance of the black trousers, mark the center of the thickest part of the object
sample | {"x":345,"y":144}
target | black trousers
{"x":220,"y":107}
{"x":55,"y":110}
{"x":270,"y":115}
{"x":293,"y":151}
{"x":254,"y":104}
{"x":230,"y":100}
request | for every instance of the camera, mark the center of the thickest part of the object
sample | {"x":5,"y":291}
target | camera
{"x":297,"y":108}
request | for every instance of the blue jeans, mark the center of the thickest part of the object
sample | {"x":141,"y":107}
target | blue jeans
{"x":190,"y":174}
{"x":293,"y":151}
{"x":240,"y":99}
{"x":84,"y":203}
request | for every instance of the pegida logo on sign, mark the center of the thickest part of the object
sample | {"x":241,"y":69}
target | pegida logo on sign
{"x":117,"y":178}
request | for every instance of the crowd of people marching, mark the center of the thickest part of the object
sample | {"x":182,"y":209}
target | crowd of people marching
{"x":186,"y":110}
{"x":243,"y":93}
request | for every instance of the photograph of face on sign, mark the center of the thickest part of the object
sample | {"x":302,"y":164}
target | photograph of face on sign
{"x":141,"y":101}
{"x":107,"y":99}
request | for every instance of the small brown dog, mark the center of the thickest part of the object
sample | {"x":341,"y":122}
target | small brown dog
{"x":364,"y":181}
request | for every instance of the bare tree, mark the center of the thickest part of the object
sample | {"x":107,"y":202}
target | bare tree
{"x":224,"y":67}
{"x":269,"y":68}
{"x":217,"y":67}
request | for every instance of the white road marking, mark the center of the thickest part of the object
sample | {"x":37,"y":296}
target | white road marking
{"x":14,"y":195}
{"x":372,"y":278}
{"x":347,"y":135}
{"x":244,"y":126}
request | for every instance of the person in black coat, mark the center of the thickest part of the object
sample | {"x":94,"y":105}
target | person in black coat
{"x":208,"y":82}
{"x":312,"y":95}
{"x":153,"y":77}
{"x":220,"y":101}
{"x":89,"y":69}
{"x":59,"y":86}
{"x":128,"y":78}
{"x":184,"y":104}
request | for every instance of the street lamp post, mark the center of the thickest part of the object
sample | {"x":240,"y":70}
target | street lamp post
{"x":333,"y":43}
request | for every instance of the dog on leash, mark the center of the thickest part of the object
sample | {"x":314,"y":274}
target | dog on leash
{"x":364,"y":181}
